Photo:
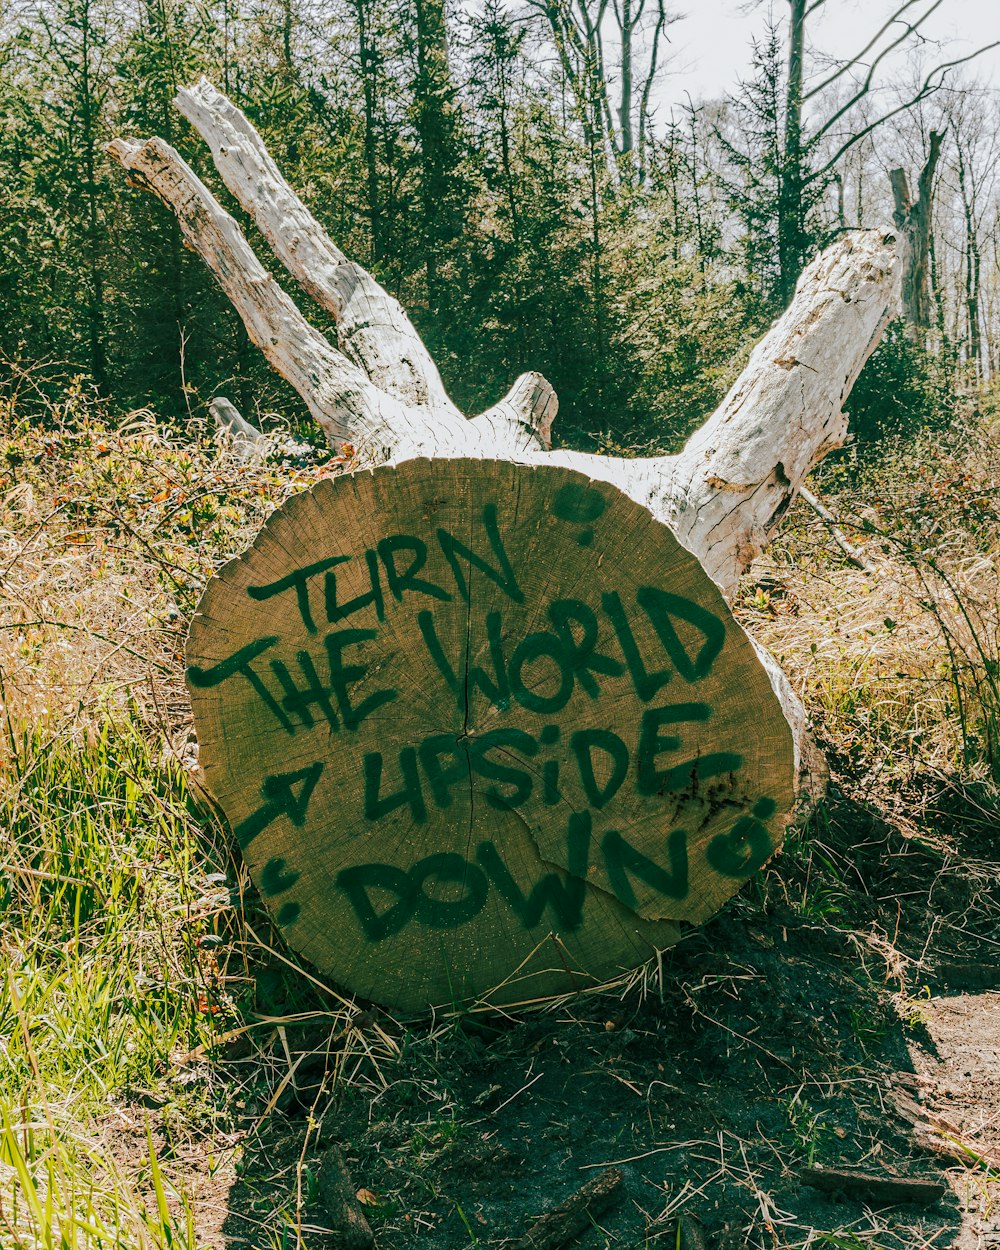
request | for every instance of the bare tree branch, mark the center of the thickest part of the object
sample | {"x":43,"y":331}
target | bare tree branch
{"x":928,"y":88}
{"x":870,"y":76}
{"x":842,"y":69}
{"x":373,"y":329}
{"x":647,"y":87}
{"x":339,"y":395}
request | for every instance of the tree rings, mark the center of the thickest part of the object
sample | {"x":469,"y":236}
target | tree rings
{"x":485,"y":732}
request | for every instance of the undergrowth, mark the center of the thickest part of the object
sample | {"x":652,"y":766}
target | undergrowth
{"x":146,"y":999}
{"x":900,"y":662}
{"x":128,"y":947}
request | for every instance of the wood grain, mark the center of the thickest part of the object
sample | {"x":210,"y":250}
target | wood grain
{"x":484,"y":731}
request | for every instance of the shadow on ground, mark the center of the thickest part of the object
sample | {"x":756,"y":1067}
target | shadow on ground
{"x":780,"y":1037}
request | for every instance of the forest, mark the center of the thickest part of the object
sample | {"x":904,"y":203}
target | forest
{"x":515,"y":177}
{"x":581,"y":829}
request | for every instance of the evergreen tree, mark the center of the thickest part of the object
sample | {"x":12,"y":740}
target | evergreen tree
{"x":159,"y":341}
{"x":69,"y":48}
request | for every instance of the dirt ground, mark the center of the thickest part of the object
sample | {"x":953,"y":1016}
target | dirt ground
{"x":958,"y":1070}
{"x":843,"y":1012}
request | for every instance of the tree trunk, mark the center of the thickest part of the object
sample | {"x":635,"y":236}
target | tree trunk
{"x":369,"y":83}
{"x":791,"y":184}
{"x":89,"y":118}
{"x":436,"y":119}
{"x":640,"y":556}
{"x":627,"y":23}
{"x":972,"y":262}
{"x":723,"y":494}
{"x":914,"y":222}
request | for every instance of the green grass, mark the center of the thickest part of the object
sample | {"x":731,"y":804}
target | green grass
{"x":130,"y":939}
{"x":103,"y":867}
{"x":62,"y":1196}
{"x":132,"y":952}
{"x":135,"y":957}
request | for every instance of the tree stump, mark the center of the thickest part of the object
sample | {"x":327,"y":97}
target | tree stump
{"x":484,"y":732}
{"x":480,"y":717}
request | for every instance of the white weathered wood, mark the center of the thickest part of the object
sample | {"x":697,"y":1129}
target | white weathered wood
{"x":522,"y":420}
{"x":249,"y":445}
{"x":853,"y":553}
{"x":246,"y":440}
{"x":730,"y":486}
{"x":372,"y":328}
{"x":736,"y":476}
{"x":345,"y":403}
{"x":722,"y":495}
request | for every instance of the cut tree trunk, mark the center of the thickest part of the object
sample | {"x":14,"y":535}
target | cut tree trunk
{"x":483,"y":730}
{"x":481,"y":718}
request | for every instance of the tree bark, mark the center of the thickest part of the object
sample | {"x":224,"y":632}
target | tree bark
{"x":627,"y":24}
{"x":722,"y":495}
{"x":565,"y":1222}
{"x":369,"y":83}
{"x":337,"y":1192}
{"x":967,"y":188}
{"x":790,"y":190}
{"x":913,"y":219}
{"x":373,"y":330}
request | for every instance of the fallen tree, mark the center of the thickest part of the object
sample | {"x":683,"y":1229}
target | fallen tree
{"x":549,"y":585}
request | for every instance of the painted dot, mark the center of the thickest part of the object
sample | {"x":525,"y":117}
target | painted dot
{"x":576,"y":502}
{"x":764,"y":808}
{"x":585,"y":538}
{"x":288,"y":913}
{"x":276,"y":878}
{"x":549,"y":734}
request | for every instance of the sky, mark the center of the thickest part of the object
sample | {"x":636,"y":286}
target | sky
{"x":711,"y":44}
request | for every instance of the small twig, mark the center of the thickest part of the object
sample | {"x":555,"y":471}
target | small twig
{"x":881,"y":1190}
{"x":855,"y":554}
{"x":337,"y":1193}
{"x":41,"y":875}
{"x":733,"y":1033}
{"x":42,"y":622}
{"x":574,"y":1215}
{"x":516,"y":1094}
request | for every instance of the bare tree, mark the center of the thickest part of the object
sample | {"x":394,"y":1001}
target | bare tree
{"x":812,"y":150}
{"x":612,"y":94}
{"x":967,"y":212}
{"x":913,"y":219}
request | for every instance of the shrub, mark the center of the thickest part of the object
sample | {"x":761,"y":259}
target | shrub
{"x":901,"y":390}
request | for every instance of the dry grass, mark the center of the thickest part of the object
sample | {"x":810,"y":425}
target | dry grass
{"x":899,"y":667}
{"x":130,"y":951}
{"x":136,"y":956}
{"x":107,"y":538}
